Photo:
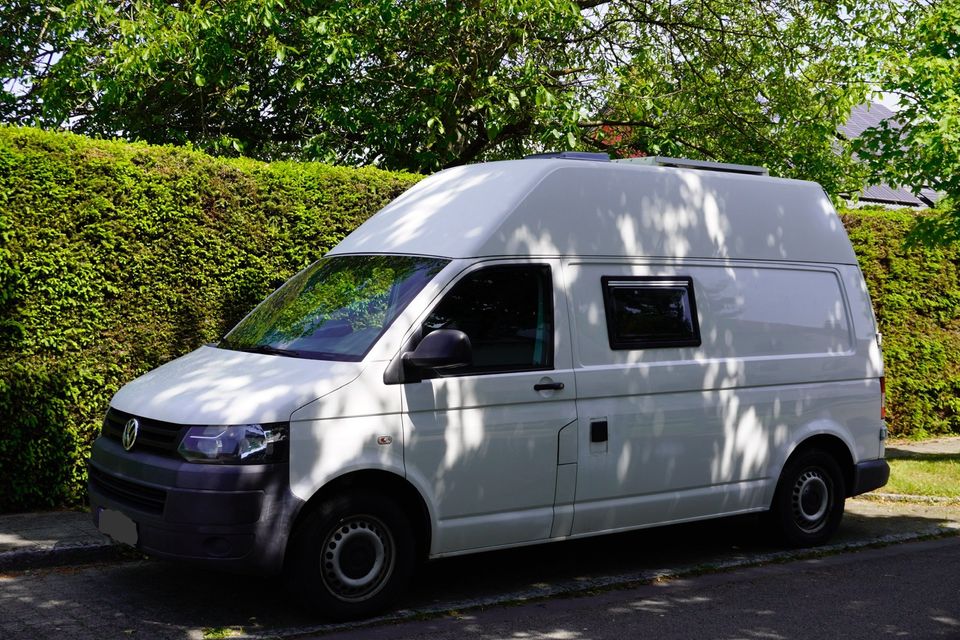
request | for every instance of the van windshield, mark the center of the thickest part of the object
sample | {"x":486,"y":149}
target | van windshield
{"x":335,"y":309}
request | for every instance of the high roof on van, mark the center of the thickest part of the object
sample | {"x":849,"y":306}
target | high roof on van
{"x":559,"y":207}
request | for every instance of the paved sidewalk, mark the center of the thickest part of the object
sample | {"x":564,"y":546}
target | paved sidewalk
{"x":51,"y":538}
{"x":913,"y":448}
{"x":54,"y":538}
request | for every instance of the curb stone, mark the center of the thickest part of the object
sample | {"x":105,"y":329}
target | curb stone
{"x":906,"y":497}
{"x":64,"y":555}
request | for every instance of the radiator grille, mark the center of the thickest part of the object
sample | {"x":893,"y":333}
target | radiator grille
{"x":154,"y":436}
{"x":134,"y":494}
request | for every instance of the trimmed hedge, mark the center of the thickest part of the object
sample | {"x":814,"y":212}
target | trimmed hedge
{"x":916,"y":297}
{"x":117,"y":257}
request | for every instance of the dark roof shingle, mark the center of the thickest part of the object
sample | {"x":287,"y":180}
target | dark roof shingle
{"x":863,"y":117}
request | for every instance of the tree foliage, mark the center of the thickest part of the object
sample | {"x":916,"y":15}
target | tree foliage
{"x":763,"y":83}
{"x":922,"y":148}
{"x":416,"y":85}
{"x":427,"y":84}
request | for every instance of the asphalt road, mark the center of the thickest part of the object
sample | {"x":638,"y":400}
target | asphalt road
{"x":151,"y":599}
{"x":905,"y":591}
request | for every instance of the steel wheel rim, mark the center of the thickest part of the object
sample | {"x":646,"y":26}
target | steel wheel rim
{"x":358,"y":558}
{"x":811,"y":500}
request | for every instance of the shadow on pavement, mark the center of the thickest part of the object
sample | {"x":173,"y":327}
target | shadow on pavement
{"x":932,"y":456}
{"x":152,"y":599}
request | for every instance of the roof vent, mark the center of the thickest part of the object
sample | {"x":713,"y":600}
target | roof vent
{"x":570,"y":155}
{"x":703,"y":165}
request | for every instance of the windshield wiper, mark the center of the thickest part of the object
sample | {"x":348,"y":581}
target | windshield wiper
{"x":269,"y":350}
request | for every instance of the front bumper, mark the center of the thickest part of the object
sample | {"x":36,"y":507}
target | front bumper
{"x":870,"y":475}
{"x":230,"y":517}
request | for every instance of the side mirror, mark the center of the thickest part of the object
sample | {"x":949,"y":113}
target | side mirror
{"x":441,"y":349}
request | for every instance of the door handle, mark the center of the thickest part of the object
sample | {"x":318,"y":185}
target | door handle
{"x":545,"y":386}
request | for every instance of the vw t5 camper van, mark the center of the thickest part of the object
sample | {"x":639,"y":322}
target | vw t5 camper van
{"x":507,"y":354}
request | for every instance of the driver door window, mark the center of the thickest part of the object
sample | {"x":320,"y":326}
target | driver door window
{"x":507,"y":312}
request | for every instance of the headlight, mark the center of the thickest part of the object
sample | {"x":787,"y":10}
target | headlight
{"x":240,"y":443}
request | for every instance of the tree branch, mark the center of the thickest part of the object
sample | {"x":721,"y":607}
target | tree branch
{"x":590,"y":4}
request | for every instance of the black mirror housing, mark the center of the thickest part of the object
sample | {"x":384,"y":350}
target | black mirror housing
{"x":441,"y":349}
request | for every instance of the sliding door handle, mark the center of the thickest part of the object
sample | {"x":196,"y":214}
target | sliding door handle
{"x":547,"y":386}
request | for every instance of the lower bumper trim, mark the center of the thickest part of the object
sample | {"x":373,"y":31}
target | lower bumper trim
{"x":870,"y":475}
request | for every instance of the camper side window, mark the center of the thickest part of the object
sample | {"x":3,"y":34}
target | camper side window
{"x":648,"y":312}
{"x":507,"y":312}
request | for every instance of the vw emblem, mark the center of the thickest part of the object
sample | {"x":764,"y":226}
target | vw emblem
{"x":130,"y":431}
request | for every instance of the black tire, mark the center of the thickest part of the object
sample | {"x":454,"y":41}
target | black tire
{"x":808,"y":505}
{"x":351,"y":557}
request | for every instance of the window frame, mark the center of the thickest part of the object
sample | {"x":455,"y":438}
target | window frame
{"x":649,"y":282}
{"x":549,"y":309}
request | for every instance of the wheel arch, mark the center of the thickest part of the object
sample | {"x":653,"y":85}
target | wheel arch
{"x":384,"y":483}
{"x":834,"y":446}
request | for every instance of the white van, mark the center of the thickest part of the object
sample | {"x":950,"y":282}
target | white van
{"x":514,"y":353}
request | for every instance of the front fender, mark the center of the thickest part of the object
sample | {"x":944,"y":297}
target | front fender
{"x":323,"y":450}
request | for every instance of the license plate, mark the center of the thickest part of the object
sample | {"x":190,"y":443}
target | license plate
{"x":118,"y":526}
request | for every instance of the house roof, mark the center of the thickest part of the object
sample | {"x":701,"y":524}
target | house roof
{"x":863,"y":117}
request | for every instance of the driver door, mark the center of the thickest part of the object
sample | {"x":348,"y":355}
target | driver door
{"x":483,"y":438}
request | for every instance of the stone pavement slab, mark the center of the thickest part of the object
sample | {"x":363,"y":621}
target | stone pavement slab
{"x":947,"y":445}
{"x":50,"y":538}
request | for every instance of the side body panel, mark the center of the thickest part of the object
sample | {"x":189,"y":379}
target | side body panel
{"x":486,"y":450}
{"x":695,"y":432}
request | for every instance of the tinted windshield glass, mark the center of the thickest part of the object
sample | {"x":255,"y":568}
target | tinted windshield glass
{"x":335,"y":309}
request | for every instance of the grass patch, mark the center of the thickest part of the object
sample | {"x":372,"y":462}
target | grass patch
{"x":925,"y":475}
{"x":218,"y":633}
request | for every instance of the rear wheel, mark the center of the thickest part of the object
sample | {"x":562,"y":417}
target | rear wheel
{"x":351,"y":557}
{"x":808,"y":504}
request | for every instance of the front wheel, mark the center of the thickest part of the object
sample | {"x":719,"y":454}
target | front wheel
{"x":808,"y":504}
{"x":351,"y":557}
